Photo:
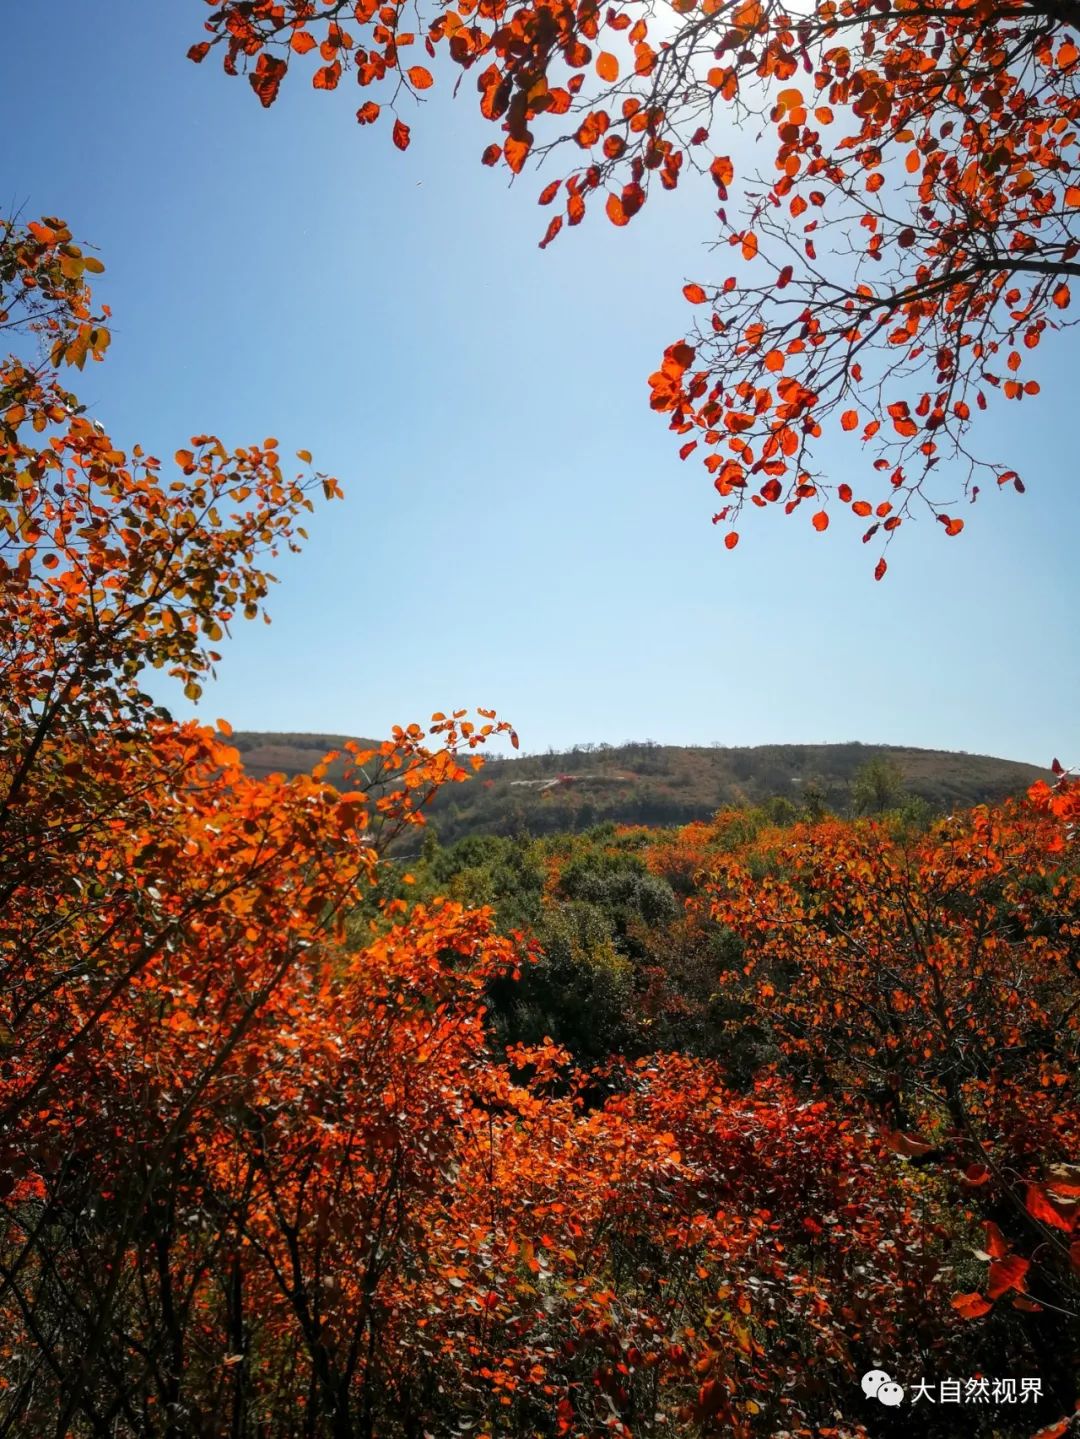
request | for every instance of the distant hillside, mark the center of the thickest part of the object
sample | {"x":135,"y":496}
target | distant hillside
{"x":655,"y":784}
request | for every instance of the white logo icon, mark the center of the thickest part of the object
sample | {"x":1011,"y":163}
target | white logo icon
{"x":876,"y":1384}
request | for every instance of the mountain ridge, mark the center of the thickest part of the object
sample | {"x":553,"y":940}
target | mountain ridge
{"x":642,"y":782}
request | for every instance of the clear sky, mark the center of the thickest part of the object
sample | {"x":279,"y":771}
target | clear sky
{"x":518,"y":531}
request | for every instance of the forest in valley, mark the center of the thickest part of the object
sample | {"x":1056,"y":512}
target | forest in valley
{"x":335,"y":1105}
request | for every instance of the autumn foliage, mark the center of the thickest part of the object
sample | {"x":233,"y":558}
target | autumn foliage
{"x":908,"y":245}
{"x":269,"y":1167}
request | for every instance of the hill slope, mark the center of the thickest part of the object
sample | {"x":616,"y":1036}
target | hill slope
{"x":664,"y":784}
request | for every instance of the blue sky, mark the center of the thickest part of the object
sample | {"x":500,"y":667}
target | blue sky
{"x":518,"y":531}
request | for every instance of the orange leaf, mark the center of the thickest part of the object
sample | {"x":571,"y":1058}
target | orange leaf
{"x":849,"y":419}
{"x":516,"y":153}
{"x":971,"y":1306}
{"x":1054,"y":1431}
{"x":749,"y":245}
{"x":821,"y":522}
{"x":266,"y":78}
{"x":897,"y":1142}
{"x":419,"y":78}
{"x":695,"y":294}
{"x":607,"y":67}
{"x":302,"y":42}
{"x":722,"y":170}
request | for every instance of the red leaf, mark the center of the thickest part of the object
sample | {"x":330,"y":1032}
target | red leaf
{"x":1006,"y":1274}
{"x":996,"y":1244}
{"x":695,"y":294}
{"x":401,"y":135}
{"x":971,"y":1306}
{"x":552,"y":230}
{"x":1061,"y":1213}
{"x":1054,"y":1431}
{"x":821,"y":522}
{"x":731,"y":540}
{"x":880,"y":570}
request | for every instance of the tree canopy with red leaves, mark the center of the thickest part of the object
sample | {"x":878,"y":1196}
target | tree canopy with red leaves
{"x":911,"y":240}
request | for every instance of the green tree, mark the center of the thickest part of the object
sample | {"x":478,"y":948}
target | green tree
{"x":878,"y":786}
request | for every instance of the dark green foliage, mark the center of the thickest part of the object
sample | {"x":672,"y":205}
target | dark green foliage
{"x":621,"y":969}
{"x":878,"y":786}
